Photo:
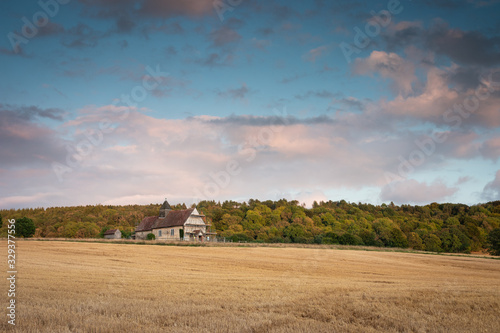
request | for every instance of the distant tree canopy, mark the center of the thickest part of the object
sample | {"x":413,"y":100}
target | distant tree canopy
{"x":494,"y":242}
{"x":435,"y":227}
{"x":25,"y":227}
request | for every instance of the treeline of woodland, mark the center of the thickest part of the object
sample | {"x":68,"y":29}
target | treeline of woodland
{"x":434,"y":227}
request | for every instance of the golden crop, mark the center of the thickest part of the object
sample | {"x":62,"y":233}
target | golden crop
{"x":106,"y":287}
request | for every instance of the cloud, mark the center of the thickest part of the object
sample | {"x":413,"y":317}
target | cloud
{"x":316,"y":53}
{"x":462,"y":47}
{"x":412,"y":191}
{"x":10,"y":52}
{"x":490,"y":149}
{"x":169,"y":8}
{"x":26,"y":141}
{"x":223,"y":36}
{"x":49,"y":29}
{"x":463,"y":180}
{"x":456,"y":4}
{"x":388,"y":65}
{"x":317,"y":93}
{"x":124,"y":24}
{"x":249,"y":120}
{"x":261,"y":44}
{"x":81,"y":36}
{"x":215,"y":60}
{"x":292,"y":78}
{"x":349,"y":151}
{"x":32,"y":112}
{"x":440,"y":104}
{"x":491,"y":191}
{"x":237,"y":93}
{"x":173,"y":28}
{"x":271,"y":150}
{"x":402,"y":34}
{"x":266,"y":31}
{"x":465,"y":47}
{"x":448,"y":4}
{"x":350,"y":102}
{"x":151,"y":8}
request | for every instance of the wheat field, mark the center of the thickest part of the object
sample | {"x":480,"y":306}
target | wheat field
{"x":105,"y":287}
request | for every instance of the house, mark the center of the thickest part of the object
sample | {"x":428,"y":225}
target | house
{"x":113,"y":234}
{"x":186,"y":224}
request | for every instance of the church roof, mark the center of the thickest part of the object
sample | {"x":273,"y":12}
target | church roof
{"x":146,"y":223}
{"x":174,"y":218}
{"x":166,"y":205}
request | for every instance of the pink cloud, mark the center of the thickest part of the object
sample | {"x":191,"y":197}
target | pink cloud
{"x":491,"y":149}
{"x":316,"y":53}
{"x":388,"y":65}
{"x":412,"y":191}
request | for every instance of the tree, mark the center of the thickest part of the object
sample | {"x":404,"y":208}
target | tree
{"x":494,"y":242}
{"x":415,"y":242}
{"x":433,"y":243}
{"x":103,"y":230}
{"x":126,"y":234}
{"x":349,"y":239}
{"x":295,"y":232}
{"x":398,"y":239}
{"x":25,"y":227}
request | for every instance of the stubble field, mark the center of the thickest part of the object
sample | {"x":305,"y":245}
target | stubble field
{"x":96,"y":287}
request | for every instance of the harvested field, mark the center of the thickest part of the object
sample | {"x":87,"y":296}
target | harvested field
{"x":101,"y":287}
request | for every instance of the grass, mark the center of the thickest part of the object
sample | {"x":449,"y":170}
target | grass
{"x":108,"y":287}
{"x":272,"y":245}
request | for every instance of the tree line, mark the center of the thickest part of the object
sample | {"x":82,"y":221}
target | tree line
{"x":435,"y":227}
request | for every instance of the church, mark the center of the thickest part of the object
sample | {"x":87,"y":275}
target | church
{"x":186,"y":224}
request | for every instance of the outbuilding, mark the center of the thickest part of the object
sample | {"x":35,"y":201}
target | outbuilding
{"x":113,"y":234}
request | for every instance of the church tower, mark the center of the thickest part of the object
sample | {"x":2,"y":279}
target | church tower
{"x":165,"y":208}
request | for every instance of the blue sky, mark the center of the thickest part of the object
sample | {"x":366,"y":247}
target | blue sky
{"x":124,"y":102}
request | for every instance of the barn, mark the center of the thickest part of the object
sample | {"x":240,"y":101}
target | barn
{"x":185,"y":224}
{"x":112,"y":234}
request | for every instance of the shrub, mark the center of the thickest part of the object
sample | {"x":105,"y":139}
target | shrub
{"x":349,"y":239}
{"x":150,"y":236}
{"x":103,"y":230}
{"x":240,"y":237}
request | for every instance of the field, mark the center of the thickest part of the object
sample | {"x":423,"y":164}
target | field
{"x":96,"y":287}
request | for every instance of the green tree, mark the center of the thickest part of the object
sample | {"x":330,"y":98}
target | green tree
{"x":433,"y":243}
{"x":494,"y":242}
{"x":103,"y":230}
{"x":349,"y":239}
{"x":25,"y":227}
{"x":126,"y":234}
{"x":398,"y":238}
{"x":295,"y":232}
{"x":415,"y":242}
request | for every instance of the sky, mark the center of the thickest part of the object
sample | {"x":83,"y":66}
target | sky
{"x":120,"y":102}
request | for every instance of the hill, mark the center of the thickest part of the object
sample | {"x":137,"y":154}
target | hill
{"x":435,"y":227}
